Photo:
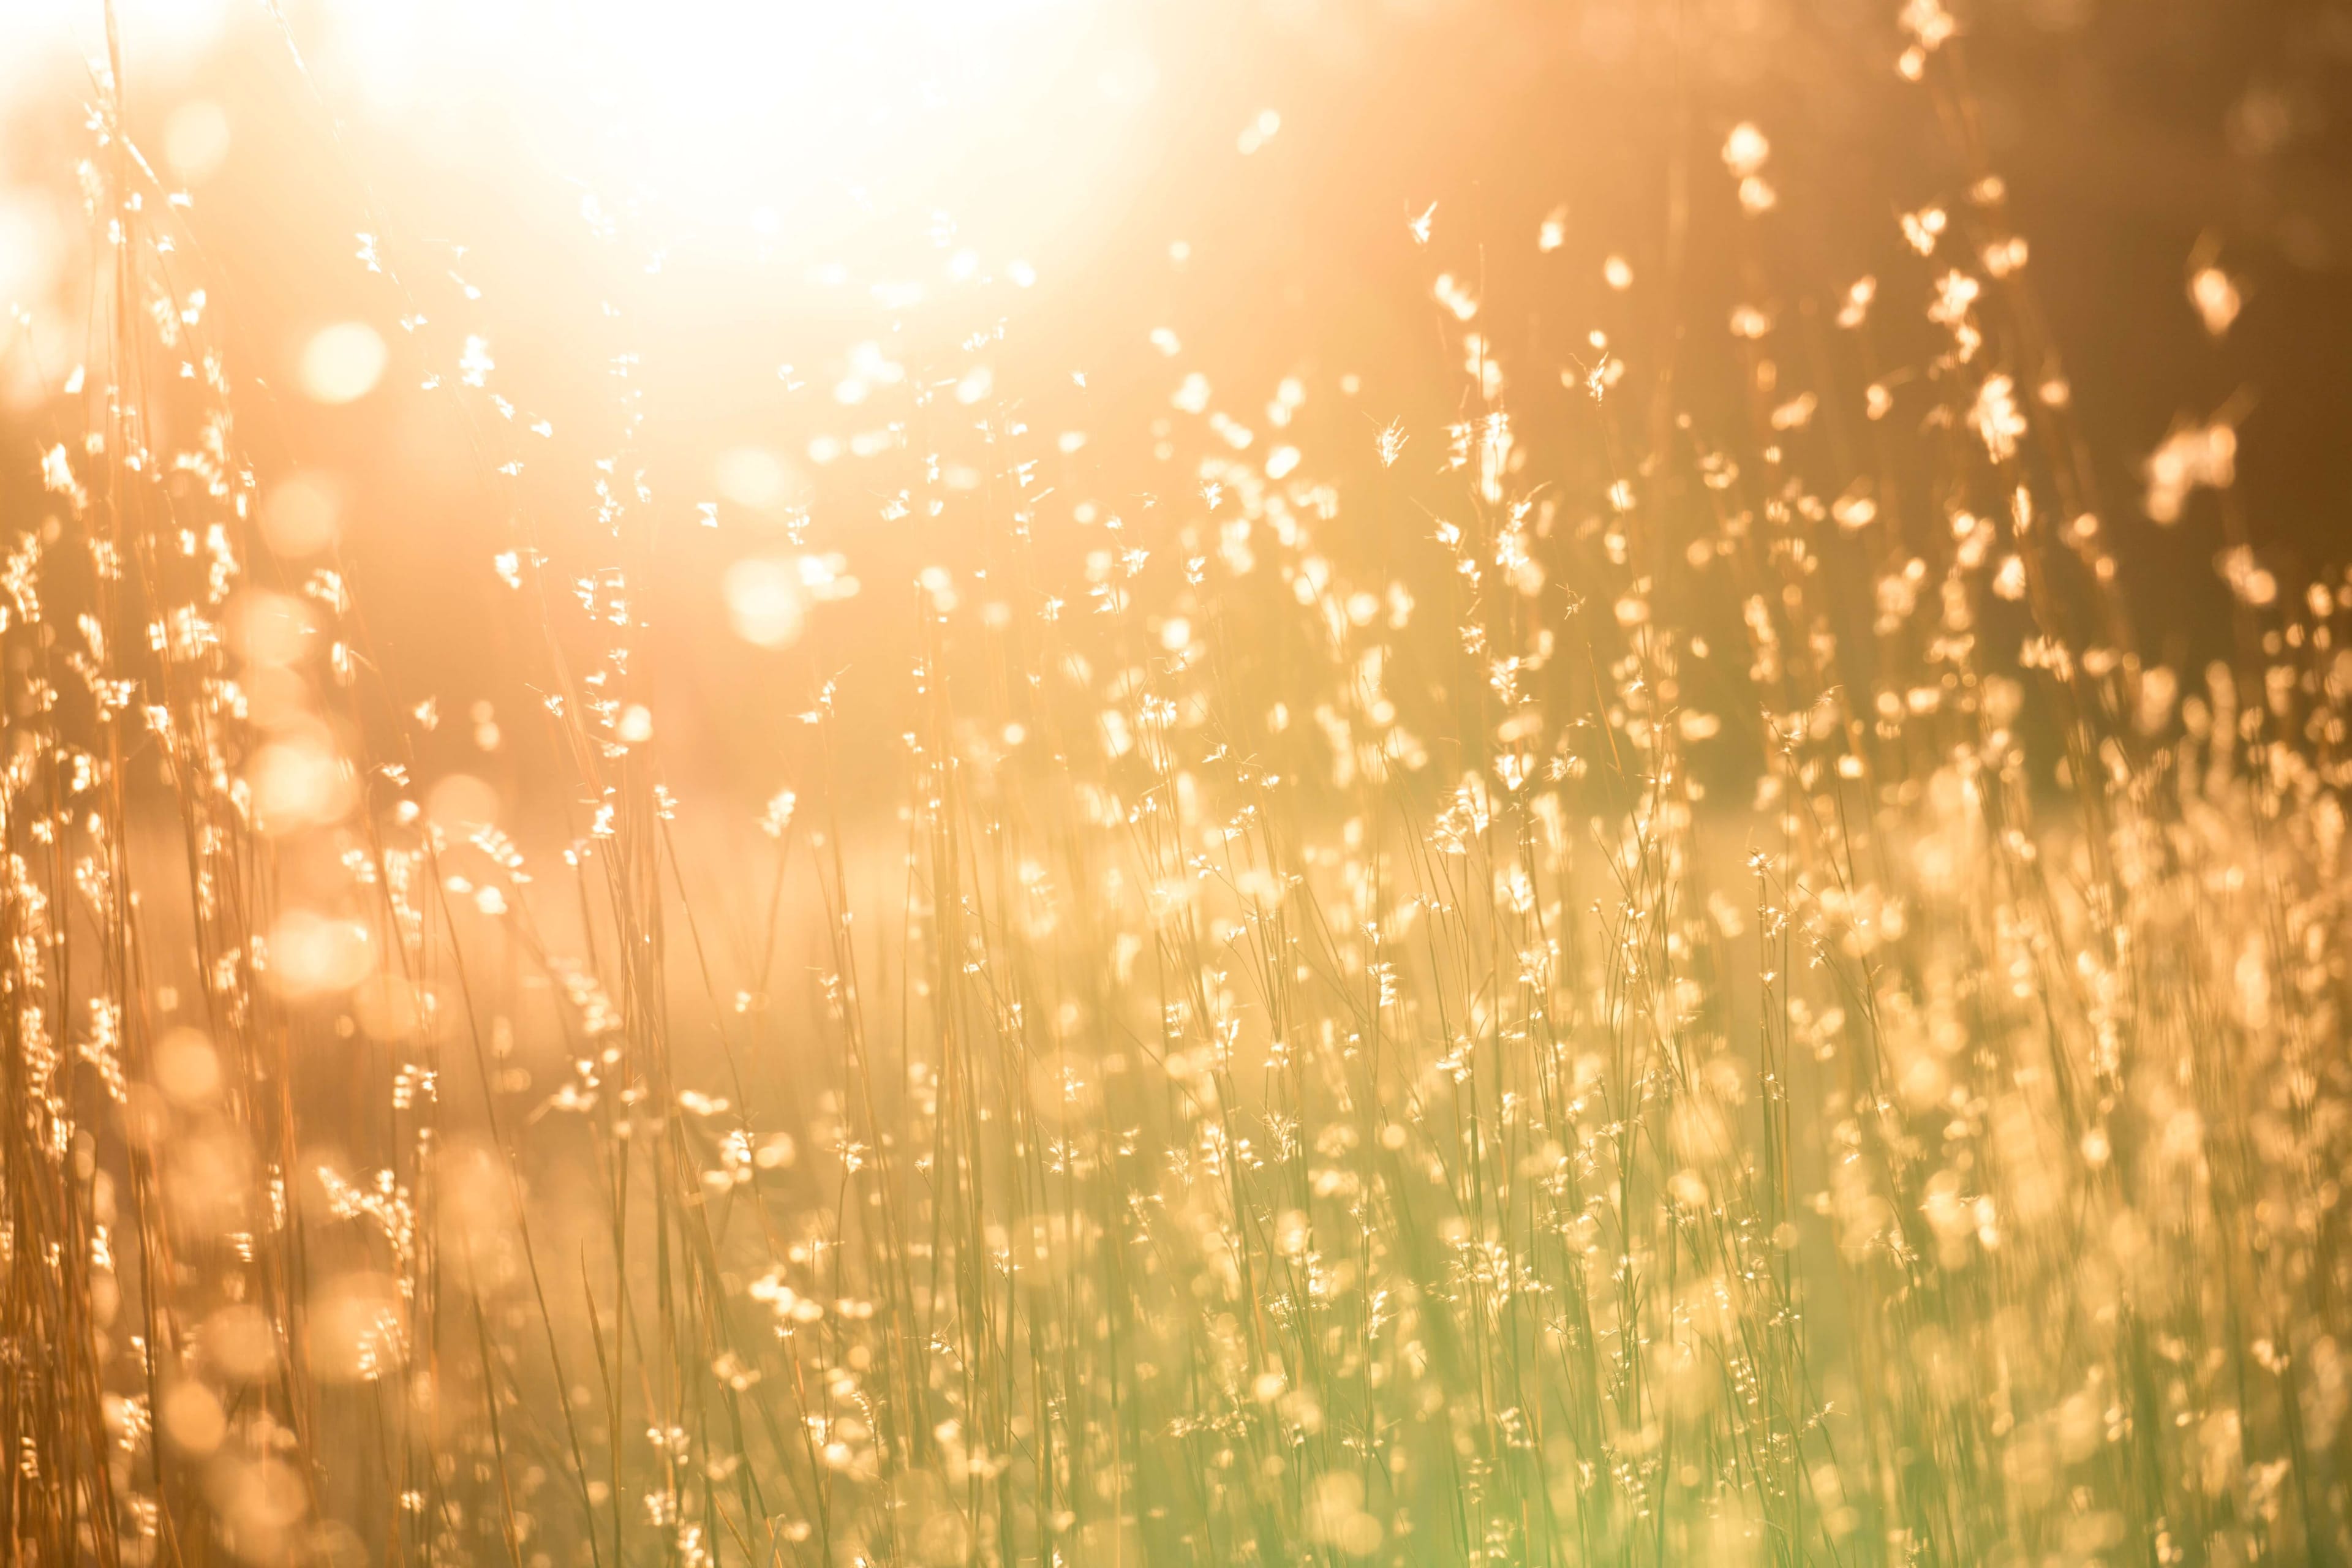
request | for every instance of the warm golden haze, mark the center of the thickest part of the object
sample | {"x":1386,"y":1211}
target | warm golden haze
{"x":1071,"y":783}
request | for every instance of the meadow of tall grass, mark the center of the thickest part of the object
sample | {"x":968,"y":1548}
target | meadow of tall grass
{"x":1592,"y":983}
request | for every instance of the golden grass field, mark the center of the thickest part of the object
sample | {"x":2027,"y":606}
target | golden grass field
{"x":771,"y":798}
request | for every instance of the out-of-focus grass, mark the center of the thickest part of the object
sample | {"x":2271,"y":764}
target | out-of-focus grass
{"x":1694,"y":1000}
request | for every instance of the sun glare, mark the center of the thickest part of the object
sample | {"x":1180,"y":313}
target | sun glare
{"x":734,"y":116}
{"x":730,"y":123}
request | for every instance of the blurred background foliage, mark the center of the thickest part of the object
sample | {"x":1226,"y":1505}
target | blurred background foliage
{"x":2140,"y":141}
